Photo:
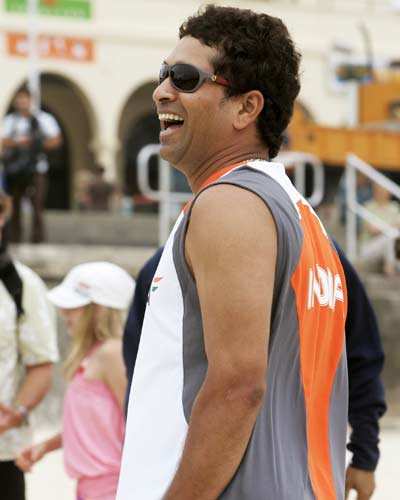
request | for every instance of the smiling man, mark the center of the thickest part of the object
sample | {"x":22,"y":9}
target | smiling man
{"x":240,"y":385}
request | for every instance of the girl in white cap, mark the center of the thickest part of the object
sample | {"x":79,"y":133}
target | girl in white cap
{"x":92,"y":299}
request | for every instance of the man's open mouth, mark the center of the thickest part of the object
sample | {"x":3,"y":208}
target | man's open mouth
{"x":168,"y":120}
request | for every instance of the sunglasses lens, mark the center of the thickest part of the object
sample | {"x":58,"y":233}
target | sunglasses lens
{"x":163,"y":73}
{"x":184,"y":77}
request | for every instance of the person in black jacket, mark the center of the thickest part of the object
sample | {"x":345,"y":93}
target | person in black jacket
{"x":365,"y":360}
{"x":134,"y":322}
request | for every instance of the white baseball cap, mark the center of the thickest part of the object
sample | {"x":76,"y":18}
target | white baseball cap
{"x":100,"y":283}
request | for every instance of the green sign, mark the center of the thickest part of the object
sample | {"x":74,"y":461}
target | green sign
{"x":79,"y":9}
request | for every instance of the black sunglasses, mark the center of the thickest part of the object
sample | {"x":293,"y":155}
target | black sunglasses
{"x":187,"y":78}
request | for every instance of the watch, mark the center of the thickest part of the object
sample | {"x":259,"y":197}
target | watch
{"x":23,"y":412}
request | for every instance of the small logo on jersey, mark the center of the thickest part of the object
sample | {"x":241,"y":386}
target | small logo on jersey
{"x":154,"y":286}
{"x":325,"y":287}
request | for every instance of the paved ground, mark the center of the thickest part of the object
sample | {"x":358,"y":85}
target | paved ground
{"x":388,"y":479}
{"x":49,"y":482}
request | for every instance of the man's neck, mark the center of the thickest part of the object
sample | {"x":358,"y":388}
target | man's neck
{"x":199,"y":177}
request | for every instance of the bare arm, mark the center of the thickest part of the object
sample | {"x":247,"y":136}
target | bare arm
{"x":33,"y":454}
{"x":113,"y":372}
{"x":52,"y":143}
{"x":54,"y":443}
{"x":372,"y":230}
{"x":231,"y":247}
{"x":35,"y":386}
{"x":8,"y":143}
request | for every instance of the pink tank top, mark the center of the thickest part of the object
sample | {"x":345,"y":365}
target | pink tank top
{"x":93,"y":432}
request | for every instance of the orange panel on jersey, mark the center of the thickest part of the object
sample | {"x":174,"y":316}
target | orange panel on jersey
{"x":320,"y":289}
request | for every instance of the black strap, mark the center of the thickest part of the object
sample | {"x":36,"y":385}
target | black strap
{"x":13,"y":283}
{"x":35,"y":131}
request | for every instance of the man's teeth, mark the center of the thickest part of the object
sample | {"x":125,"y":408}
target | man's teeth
{"x":168,"y":117}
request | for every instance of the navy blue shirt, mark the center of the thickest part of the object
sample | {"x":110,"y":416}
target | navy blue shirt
{"x":364,"y":357}
{"x":365,"y":360}
{"x":134,"y":322}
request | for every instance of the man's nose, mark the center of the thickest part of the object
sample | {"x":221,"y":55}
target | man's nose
{"x":165,"y":92}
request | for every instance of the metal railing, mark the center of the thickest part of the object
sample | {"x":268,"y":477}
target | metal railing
{"x":299,"y":162}
{"x":163,"y":195}
{"x":383,"y":244}
{"x":167,"y":198}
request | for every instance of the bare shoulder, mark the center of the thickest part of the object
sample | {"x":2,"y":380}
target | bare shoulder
{"x":228,"y":196}
{"x":110,"y":351}
{"x":107,"y":361}
{"x":226,"y":215}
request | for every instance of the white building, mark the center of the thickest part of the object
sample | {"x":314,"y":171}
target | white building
{"x":100,"y":59}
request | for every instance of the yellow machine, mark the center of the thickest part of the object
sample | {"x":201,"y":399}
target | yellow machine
{"x":376,"y":139}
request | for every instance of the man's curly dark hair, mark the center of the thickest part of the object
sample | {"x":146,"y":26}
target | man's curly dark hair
{"x":255,"y":53}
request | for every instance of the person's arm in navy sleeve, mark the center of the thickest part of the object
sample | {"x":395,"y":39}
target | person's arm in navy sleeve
{"x":134,"y":322}
{"x":365,"y":360}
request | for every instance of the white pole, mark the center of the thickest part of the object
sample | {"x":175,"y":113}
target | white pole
{"x":353,"y":104}
{"x":351,"y":216}
{"x":33,"y":51}
{"x":165,"y":203}
{"x":300,"y":177}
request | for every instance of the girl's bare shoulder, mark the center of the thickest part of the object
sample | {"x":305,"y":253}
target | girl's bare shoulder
{"x":110,"y":349}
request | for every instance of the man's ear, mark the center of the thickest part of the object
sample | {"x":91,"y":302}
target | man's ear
{"x":249,"y":106}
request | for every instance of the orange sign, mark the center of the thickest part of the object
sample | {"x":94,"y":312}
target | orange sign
{"x":55,"y":47}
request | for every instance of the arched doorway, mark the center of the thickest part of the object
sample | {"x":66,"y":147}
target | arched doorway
{"x":138,"y":127}
{"x":66,"y":102}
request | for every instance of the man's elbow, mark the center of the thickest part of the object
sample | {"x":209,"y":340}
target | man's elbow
{"x":249,"y":394}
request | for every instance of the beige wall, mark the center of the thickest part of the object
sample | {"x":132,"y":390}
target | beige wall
{"x":132,"y":37}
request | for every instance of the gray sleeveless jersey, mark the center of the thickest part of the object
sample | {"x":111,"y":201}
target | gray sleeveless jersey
{"x":297,"y":447}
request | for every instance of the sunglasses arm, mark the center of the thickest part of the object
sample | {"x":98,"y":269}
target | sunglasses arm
{"x":219,"y":80}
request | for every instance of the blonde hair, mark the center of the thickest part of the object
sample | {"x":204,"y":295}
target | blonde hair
{"x":97,"y":324}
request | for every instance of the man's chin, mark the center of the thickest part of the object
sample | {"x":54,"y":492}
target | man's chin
{"x":164,"y":152}
{"x":167,"y":154}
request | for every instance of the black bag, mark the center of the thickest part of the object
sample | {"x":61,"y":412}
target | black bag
{"x":20,"y":163}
